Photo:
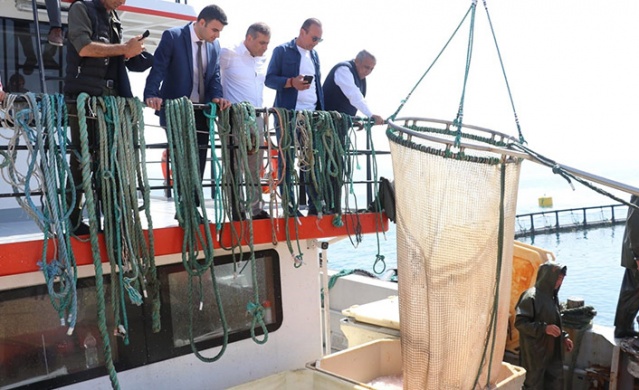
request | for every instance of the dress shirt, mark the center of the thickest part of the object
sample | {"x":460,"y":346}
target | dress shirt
{"x":242,"y":75}
{"x":344,"y":80}
{"x":195,"y":96}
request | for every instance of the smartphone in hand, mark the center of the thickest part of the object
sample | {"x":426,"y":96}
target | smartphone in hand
{"x":146,"y":34}
{"x":308,"y":79}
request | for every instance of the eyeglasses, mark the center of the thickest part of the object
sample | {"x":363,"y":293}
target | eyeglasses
{"x":314,"y":39}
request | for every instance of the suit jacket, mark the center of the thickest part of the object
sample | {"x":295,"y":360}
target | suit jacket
{"x":172,"y":77}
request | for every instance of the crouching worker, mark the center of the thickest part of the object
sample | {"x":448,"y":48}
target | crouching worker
{"x":541,"y":337}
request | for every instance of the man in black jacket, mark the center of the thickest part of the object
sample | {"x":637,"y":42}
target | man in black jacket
{"x":97,"y":63}
{"x":628,"y":304}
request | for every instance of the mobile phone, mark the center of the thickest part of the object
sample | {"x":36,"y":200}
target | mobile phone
{"x":308,"y":79}
{"x":146,"y":34}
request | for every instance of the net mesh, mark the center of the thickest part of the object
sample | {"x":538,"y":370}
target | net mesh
{"x":450,"y":277}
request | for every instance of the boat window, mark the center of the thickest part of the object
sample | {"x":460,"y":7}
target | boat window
{"x":238,"y":286}
{"x":36,"y":352}
{"x":35,"y":347}
{"x":20,"y":66}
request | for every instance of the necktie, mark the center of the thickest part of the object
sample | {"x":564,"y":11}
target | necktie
{"x":200,"y":72}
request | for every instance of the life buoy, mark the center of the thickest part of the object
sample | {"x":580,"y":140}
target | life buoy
{"x":271,"y":161}
{"x":166,"y":170}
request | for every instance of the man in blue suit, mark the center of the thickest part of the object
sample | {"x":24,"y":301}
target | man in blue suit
{"x":175,"y":72}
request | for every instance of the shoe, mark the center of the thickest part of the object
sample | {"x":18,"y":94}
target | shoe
{"x":82,"y":230}
{"x":55,"y":37}
{"x":261,"y":215}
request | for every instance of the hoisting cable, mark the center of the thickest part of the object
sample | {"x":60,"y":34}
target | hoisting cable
{"x":503,"y":70}
{"x":403,"y":102}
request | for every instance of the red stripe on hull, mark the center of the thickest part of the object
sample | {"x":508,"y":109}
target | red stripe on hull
{"x":22,"y":257}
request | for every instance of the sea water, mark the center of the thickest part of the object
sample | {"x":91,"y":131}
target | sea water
{"x":591,"y":255}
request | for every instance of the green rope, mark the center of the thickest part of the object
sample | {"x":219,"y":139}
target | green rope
{"x":459,"y":120}
{"x":290,"y":208}
{"x":243,"y":130}
{"x":183,"y":149}
{"x":95,"y":248}
{"x":491,"y":332}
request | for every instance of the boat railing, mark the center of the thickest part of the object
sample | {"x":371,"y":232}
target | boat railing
{"x":364,"y":180}
{"x":556,"y":221}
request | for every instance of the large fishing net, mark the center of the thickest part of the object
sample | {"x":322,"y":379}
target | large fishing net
{"x":455,"y":219}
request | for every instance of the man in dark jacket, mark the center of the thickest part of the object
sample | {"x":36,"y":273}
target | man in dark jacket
{"x":345,"y":92}
{"x":541,"y":337}
{"x":345,"y":86}
{"x":294,"y":73}
{"x":97,"y":63}
{"x":628,"y":304}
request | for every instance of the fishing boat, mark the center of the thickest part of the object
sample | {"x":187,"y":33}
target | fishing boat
{"x":267,"y":313}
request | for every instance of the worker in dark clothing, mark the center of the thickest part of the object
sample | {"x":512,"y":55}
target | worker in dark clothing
{"x":541,"y":337}
{"x":628,"y":304}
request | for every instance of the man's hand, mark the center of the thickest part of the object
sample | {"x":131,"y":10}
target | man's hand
{"x":154,"y":102}
{"x":223,"y":103}
{"x":378,"y":119}
{"x":553,"y":330}
{"x":134,"y":47}
{"x":299,"y":83}
{"x":568,"y":344}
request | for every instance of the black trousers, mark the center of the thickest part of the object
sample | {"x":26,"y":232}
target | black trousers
{"x":628,"y":303}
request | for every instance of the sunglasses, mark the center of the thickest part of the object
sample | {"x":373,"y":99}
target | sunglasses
{"x":314,"y":39}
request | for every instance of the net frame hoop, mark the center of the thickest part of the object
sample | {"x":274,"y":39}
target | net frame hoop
{"x":507,"y":154}
{"x":512,"y":142}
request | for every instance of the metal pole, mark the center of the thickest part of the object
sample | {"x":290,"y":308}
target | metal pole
{"x":43,"y":84}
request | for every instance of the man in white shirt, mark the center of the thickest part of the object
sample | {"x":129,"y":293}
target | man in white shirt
{"x":345,"y":91}
{"x":345,"y":86}
{"x":243,"y":70}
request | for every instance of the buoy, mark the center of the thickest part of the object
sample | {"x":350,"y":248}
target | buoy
{"x":545,"y":201}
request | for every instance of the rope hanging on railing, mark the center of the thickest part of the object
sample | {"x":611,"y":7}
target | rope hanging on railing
{"x":189,"y":202}
{"x":240,"y":137}
{"x":42,"y":128}
{"x":95,"y":247}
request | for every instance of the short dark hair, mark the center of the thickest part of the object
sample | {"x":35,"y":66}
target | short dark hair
{"x":213,"y":12}
{"x":309,"y":22}
{"x":258,"y":28}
